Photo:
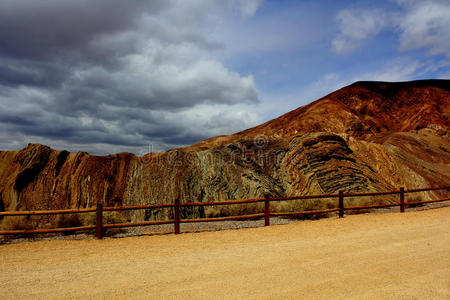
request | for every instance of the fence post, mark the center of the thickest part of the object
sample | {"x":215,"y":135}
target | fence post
{"x":177,"y":216}
{"x":99,"y":221}
{"x":341,"y":204}
{"x":402,"y":199}
{"x":267,"y":210}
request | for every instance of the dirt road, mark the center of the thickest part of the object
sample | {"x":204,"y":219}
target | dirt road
{"x":366,"y":256}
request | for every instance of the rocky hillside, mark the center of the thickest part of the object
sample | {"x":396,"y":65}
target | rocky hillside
{"x":364,"y":110}
{"x":369,"y":136}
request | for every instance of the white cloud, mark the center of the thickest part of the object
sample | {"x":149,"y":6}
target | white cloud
{"x":419,"y":25}
{"x":285,"y":29}
{"x":150,"y":78}
{"x":357,"y":25}
{"x":394,"y":71}
{"x":249,"y":7}
{"x":213,"y":121}
{"x":426,"y":25}
{"x":164,"y":76}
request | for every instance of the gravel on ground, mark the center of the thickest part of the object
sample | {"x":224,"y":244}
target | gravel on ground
{"x":368,"y":256}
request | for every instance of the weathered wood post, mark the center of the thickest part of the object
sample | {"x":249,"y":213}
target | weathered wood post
{"x":177,"y":216}
{"x":402,"y":199}
{"x":267,"y":210}
{"x":99,"y":221}
{"x":341,"y":204}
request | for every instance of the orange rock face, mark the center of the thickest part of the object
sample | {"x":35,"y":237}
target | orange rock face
{"x":364,"y":110}
{"x":369,"y":136}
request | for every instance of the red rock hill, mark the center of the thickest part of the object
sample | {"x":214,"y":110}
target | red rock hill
{"x":369,"y":136}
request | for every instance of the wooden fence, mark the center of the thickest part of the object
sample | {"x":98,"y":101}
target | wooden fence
{"x":177,"y":206}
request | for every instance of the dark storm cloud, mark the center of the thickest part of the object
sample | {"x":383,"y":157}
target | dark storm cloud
{"x":16,"y":120}
{"x":111,"y":72}
{"x":14,"y":72}
{"x":44,"y":29}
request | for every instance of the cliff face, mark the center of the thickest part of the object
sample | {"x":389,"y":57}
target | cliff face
{"x":365,"y":137}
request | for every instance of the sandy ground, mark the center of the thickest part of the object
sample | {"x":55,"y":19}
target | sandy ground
{"x":389,"y":256}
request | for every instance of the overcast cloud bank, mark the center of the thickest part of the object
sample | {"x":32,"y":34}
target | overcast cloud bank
{"x":118,"y":73}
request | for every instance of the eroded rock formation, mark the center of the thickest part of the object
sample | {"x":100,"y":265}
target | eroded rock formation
{"x":369,"y":136}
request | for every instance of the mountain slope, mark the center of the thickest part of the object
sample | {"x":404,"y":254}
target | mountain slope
{"x":363,"y":110}
{"x":369,"y":136}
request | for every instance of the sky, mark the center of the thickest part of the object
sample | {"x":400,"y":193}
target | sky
{"x":109,"y":76}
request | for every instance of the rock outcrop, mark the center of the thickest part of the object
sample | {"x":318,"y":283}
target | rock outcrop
{"x":369,"y":136}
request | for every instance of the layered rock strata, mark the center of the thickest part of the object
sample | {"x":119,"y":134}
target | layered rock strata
{"x":369,"y":136}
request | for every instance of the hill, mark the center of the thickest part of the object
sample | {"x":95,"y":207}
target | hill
{"x":364,"y":110}
{"x":369,"y":136}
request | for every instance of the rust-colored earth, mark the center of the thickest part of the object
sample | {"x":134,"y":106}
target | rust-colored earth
{"x":369,"y":136}
{"x":371,"y":256}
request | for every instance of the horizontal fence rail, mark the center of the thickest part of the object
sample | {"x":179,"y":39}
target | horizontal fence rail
{"x":428,"y":201}
{"x":50,"y":230}
{"x":177,"y":206}
{"x":303,"y":197}
{"x":121,"y":225}
{"x":46,"y":212}
{"x":115,"y":208}
{"x":231,"y":218}
{"x":371,"y":194}
{"x":426,"y":189}
{"x":370,"y":206}
{"x":223,"y":202}
{"x":312,"y":212}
